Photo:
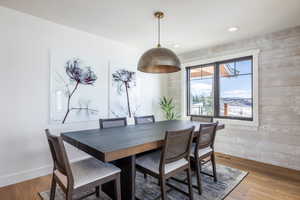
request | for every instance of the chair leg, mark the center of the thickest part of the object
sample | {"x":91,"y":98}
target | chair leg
{"x":98,"y":191}
{"x":190,"y":183}
{"x":69,"y":196}
{"x":53,"y":188}
{"x":117,"y":188}
{"x":163,"y":188}
{"x":213,"y":161}
{"x":198,"y":167}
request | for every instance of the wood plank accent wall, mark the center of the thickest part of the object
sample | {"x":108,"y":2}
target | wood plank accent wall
{"x":276,"y":141}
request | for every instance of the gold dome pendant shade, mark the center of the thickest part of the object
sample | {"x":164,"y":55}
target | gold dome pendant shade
{"x":159,"y":59}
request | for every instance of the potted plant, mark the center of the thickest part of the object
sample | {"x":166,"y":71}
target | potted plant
{"x":168,"y":108}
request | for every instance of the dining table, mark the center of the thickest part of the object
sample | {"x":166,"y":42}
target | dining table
{"x":120,"y":145}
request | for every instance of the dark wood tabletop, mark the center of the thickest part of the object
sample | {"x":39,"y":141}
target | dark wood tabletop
{"x":115,"y":143}
{"x":122,"y":144}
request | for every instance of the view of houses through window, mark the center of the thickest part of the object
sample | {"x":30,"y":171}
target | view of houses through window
{"x":201,"y":87}
{"x":222,"y":89}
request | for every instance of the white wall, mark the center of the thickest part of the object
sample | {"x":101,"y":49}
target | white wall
{"x":276,"y":140}
{"x":25,"y":42}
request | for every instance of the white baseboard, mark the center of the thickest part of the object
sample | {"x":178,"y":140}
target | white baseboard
{"x":24,"y":175}
{"x":29,"y":174}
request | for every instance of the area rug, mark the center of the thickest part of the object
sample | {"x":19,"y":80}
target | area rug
{"x":148,"y":189}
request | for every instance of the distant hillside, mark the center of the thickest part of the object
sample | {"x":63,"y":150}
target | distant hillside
{"x":243,"y":102}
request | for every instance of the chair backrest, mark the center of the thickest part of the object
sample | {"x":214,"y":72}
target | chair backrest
{"x":144,"y":119}
{"x":177,"y":145}
{"x":113,"y":122}
{"x":201,"y":118}
{"x":206,"y":136}
{"x":59,"y":155}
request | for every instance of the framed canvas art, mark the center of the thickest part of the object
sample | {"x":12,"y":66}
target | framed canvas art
{"x":124,"y":91}
{"x":76,"y":88}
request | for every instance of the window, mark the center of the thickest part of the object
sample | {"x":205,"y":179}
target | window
{"x":221,"y":89}
{"x":201,"y":90}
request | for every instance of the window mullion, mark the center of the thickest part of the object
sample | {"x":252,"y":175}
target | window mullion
{"x":188,"y":99}
{"x":216,"y":88}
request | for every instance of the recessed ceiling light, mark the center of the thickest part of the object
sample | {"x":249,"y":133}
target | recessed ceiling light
{"x":233,"y":29}
{"x":176,"y":45}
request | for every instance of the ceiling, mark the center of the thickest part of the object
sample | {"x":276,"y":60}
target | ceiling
{"x":191,"y":24}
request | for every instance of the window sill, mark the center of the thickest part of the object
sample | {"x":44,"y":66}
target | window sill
{"x":238,"y":124}
{"x":235,"y":124}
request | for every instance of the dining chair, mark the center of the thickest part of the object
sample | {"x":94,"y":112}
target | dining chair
{"x":113,"y":122}
{"x":149,"y":119}
{"x":201,"y":118}
{"x":172,"y":159}
{"x":204,"y":149}
{"x":79,"y":176}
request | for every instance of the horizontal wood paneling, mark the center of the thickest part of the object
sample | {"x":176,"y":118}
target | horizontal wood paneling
{"x":277,"y":139}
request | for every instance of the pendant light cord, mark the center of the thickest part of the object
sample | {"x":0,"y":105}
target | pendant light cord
{"x":158,"y":45}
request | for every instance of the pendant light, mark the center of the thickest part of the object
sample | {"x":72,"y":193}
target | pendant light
{"x":159,"y":59}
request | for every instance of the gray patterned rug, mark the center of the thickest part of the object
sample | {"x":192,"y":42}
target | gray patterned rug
{"x":228,"y":179}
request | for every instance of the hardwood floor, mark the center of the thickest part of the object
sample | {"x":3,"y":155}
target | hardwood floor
{"x":264,"y":182}
{"x":26,"y":190}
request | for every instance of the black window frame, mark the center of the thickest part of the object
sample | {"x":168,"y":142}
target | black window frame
{"x":216,"y":88}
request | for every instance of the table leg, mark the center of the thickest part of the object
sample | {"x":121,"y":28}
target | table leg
{"x":127,"y":165}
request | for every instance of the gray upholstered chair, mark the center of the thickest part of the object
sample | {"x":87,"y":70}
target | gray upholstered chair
{"x":81,"y":175}
{"x":201,"y":118}
{"x":172,"y":159}
{"x":113,"y":122}
{"x":203,"y":149}
{"x":149,"y":119}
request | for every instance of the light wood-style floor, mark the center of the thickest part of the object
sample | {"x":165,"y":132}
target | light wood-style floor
{"x":264,"y":182}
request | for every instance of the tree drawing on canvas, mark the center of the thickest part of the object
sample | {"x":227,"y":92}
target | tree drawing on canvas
{"x":124,"y":93}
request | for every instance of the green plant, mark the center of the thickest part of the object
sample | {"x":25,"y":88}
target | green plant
{"x":168,"y":108}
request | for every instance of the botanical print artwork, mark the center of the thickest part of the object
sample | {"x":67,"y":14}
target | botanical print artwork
{"x":78,"y":76}
{"x":124,"y":79}
{"x":73,"y":92}
{"x":124,"y":97}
